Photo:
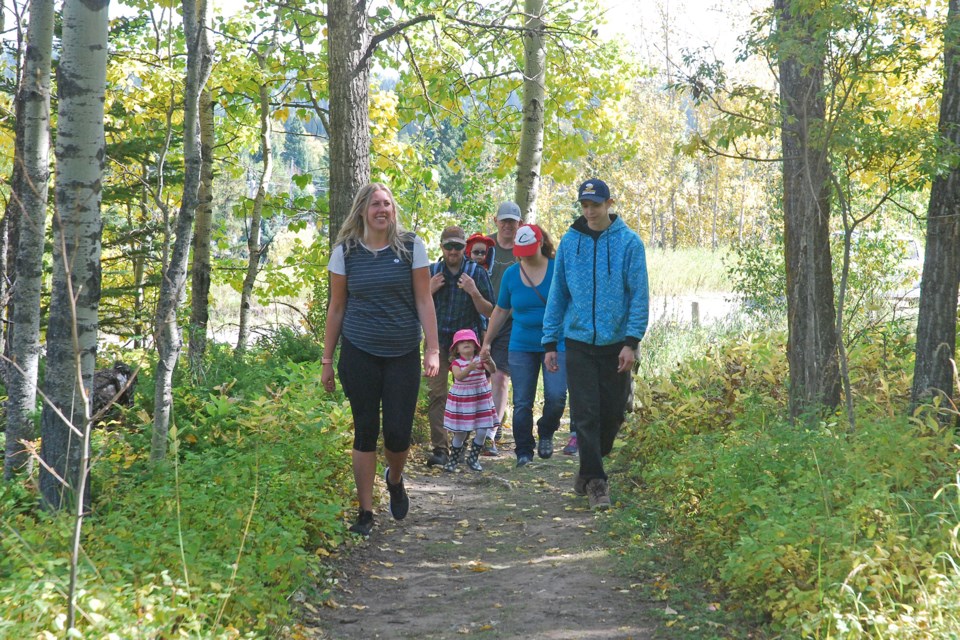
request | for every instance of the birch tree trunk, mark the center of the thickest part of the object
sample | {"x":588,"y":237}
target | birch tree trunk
{"x":75,"y":294}
{"x":348,"y":63}
{"x":173,"y":285}
{"x":203,"y":228}
{"x":253,"y":233}
{"x":811,"y":317}
{"x":534,"y":94}
{"x":10,"y":224}
{"x":34,"y":131}
{"x":933,"y":372}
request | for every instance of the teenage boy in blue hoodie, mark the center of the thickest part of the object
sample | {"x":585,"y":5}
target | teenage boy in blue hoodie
{"x":599,"y":302}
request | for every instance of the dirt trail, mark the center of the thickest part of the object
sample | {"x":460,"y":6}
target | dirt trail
{"x":506,"y":553}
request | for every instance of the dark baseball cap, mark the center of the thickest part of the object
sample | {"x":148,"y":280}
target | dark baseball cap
{"x":594,"y":190}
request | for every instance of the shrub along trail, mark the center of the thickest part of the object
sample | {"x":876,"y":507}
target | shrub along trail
{"x":506,"y":553}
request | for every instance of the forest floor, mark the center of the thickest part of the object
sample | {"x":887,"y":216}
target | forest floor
{"x":502,"y":553}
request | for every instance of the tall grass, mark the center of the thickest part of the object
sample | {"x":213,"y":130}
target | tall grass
{"x":675,"y":272}
{"x":669,"y":343}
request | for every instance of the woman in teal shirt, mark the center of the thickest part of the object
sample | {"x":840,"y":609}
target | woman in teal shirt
{"x":523,"y":295}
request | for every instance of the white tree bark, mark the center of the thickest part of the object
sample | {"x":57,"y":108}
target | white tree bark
{"x":34,"y":132}
{"x":75,"y":295}
{"x":534,"y":93}
{"x":253,"y":233}
{"x":173,"y":287}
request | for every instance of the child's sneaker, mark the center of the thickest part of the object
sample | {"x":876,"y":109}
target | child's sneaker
{"x":490,"y":449}
{"x":572,"y":447}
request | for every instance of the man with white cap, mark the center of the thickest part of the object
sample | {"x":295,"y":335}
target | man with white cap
{"x":508,"y":219}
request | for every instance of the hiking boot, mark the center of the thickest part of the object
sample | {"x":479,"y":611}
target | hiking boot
{"x":545,"y":448}
{"x":490,"y":449}
{"x":364,"y":524}
{"x":455,"y":454}
{"x":572,"y":447}
{"x":580,"y":485}
{"x":438,"y":458}
{"x":473,"y":456}
{"x":598,"y":493}
{"x":399,"y":500}
{"x":524,"y":459}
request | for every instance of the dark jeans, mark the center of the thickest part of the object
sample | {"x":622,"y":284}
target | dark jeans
{"x":525,"y":368}
{"x":598,"y":399}
{"x":372,"y":382}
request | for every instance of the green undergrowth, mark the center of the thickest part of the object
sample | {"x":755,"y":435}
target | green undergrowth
{"x":211,"y":544}
{"x":821,"y":532}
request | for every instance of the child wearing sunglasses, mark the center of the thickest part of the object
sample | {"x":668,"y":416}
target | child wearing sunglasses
{"x":480,"y":250}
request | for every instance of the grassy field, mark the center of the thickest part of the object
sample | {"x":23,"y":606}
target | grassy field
{"x":685,"y":271}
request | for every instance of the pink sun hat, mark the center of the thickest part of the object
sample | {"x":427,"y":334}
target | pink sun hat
{"x":464,"y":334}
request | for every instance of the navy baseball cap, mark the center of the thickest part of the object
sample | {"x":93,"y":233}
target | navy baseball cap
{"x":594,"y":190}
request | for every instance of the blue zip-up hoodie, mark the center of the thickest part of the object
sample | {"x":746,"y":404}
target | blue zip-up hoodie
{"x":599,"y":292}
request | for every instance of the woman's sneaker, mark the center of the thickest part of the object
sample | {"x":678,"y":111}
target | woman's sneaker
{"x":364,"y":524}
{"x":399,"y":501}
{"x":572,"y":447}
{"x":490,"y":449}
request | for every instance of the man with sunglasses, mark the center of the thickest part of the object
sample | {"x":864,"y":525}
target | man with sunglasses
{"x":462,"y":295}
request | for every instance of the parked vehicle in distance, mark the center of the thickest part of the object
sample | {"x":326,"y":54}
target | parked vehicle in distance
{"x":909,"y":269}
{"x":890,"y":263}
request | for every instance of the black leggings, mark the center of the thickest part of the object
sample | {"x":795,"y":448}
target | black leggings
{"x":373,"y":382}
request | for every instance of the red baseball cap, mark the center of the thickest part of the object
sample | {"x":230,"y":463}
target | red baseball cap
{"x":527,"y":241}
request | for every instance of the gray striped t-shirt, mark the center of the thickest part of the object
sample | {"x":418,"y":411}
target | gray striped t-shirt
{"x":381,"y":313}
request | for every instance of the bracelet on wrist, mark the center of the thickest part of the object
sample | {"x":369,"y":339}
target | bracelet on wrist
{"x":326,"y":360}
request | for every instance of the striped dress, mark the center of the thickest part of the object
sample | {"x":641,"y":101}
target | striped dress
{"x":470,"y":402}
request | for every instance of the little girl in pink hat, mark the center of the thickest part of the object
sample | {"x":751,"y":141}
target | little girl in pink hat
{"x":470,"y":400}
